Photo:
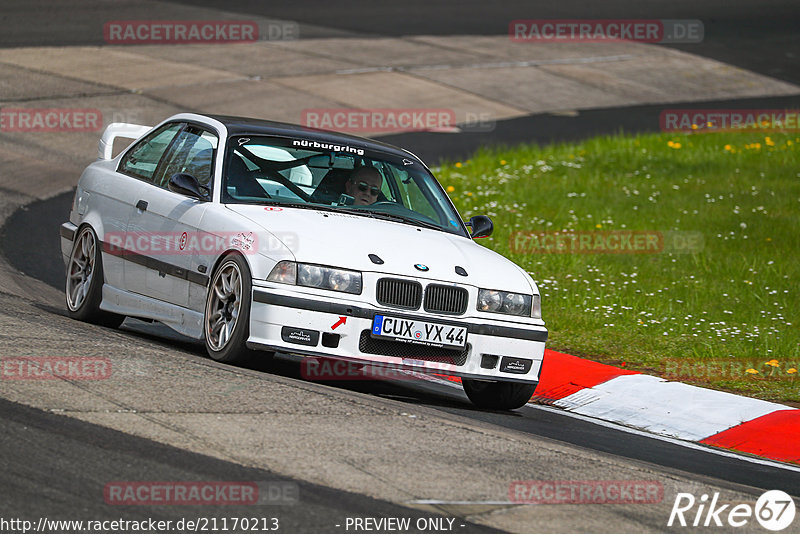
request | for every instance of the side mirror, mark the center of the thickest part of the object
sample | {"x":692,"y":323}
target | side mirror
{"x":186,"y":184}
{"x":481,"y":226}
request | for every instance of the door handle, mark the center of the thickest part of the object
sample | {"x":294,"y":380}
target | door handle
{"x":141,"y":205}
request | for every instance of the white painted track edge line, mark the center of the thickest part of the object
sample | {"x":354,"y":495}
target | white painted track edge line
{"x":688,"y":444}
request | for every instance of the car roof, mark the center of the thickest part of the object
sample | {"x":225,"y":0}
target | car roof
{"x":248,"y":126}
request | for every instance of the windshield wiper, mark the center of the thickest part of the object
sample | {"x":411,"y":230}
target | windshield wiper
{"x":301,"y":205}
{"x":363,"y":212}
{"x":399,"y":218}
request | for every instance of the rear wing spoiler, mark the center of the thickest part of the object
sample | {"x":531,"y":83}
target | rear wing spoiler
{"x":118,"y":129}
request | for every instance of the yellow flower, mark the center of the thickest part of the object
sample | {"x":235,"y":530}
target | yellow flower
{"x":673,"y":144}
{"x":728,"y":147}
{"x":709,"y":124}
{"x":469,"y":194}
{"x":769,"y":142}
{"x":450,"y":188}
{"x":458,"y":164}
{"x":598,"y":225}
{"x":769,"y":239}
{"x":791,"y":371}
{"x":670,"y":143}
{"x":773,"y":363}
{"x":757,"y":146}
{"x":788,"y":142}
{"x":502,"y":162}
{"x":694,"y":126}
{"x":751,"y":371}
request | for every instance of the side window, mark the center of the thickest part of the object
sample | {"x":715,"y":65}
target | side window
{"x":141,"y":161}
{"x":192,"y":153}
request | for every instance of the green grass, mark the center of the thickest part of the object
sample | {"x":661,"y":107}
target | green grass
{"x":705,"y":316}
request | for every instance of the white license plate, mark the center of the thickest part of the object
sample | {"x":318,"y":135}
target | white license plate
{"x":420,"y":332}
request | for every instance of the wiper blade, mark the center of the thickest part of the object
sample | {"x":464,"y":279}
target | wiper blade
{"x":402,"y":218}
{"x":356,"y":211}
{"x":301,"y":205}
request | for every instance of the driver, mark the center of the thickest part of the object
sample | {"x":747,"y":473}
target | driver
{"x":364,"y":185}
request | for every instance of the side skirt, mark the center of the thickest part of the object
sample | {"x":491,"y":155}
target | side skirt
{"x":182,"y":320}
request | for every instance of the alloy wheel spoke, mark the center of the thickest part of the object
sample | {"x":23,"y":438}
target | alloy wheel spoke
{"x":226,"y":284}
{"x":223,"y":307}
{"x":219,"y":293}
{"x":223,"y":334}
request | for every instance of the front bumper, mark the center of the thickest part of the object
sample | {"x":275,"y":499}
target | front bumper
{"x":285,"y":320}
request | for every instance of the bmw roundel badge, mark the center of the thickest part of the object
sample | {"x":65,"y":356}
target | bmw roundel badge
{"x":420,"y":267}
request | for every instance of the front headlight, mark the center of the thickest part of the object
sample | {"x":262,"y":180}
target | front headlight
{"x":504,"y":302}
{"x":308,"y":275}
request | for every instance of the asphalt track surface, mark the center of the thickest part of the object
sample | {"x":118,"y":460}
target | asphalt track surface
{"x":47,"y":456}
{"x":57,"y":467}
{"x":39,"y":223}
{"x":760,"y":36}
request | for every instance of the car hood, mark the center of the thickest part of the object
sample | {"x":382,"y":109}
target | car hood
{"x":345,"y":240}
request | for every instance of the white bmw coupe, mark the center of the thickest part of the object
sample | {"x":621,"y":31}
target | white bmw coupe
{"x":261,"y":236}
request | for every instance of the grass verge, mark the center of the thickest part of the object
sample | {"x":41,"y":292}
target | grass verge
{"x":711,"y":294}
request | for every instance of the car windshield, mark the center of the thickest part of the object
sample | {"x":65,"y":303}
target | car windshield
{"x":321,"y":175}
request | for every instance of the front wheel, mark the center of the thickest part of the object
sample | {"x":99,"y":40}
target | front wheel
{"x":84,"y":286}
{"x":226,"y":322}
{"x":498,"y":395}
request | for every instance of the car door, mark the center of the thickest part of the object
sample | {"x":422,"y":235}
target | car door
{"x":136,"y":168}
{"x":167,"y":223}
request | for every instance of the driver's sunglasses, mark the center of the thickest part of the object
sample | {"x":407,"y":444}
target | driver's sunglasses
{"x":373,"y":190}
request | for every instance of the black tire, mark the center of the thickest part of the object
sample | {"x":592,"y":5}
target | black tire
{"x":498,"y":395}
{"x":83,"y":288}
{"x":230,"y":347}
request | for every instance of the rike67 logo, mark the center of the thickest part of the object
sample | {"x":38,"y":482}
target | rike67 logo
{"x":774,"y":510}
